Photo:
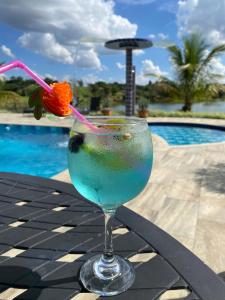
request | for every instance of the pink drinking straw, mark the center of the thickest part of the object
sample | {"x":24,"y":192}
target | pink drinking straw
{"x":18,"y":64}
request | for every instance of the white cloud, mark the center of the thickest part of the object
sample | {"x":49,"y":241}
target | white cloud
{"x":88,"y":78}
{"x":88,"y":59}
{"x":141,"y":79}
{"x":67,"y":77}
{"x":138,"y":52}
{"x":148,"y":67}
{"x":120,"y":66}
{"x":50,"y":76}
{"x":217,"y":67}
{"x":204,"y":16}
{"x":135,"y":2}
{"x":46,"y":44}
{"x":91,"y":78}
{"x":162,"y":36}
{"x":56,"y":29}
{"x":169,"y":6}
{"x":152,"y":36}
{"x":7,"y":51}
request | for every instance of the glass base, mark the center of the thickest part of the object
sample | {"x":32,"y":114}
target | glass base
{"x":107,"y":277}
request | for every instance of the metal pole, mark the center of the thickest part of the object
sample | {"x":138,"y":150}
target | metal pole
{"x":129,"y":83}
{"x":134,"y":89}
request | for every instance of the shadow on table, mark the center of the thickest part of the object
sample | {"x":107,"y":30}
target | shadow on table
{"x":222,"y":275}
{"x":212,"y":178}
{"x":21,"y":277}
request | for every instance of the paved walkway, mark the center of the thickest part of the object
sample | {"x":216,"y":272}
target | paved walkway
{"x":185,"y":195}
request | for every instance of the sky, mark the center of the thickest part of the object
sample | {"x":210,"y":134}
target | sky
{"x":64,"y":40}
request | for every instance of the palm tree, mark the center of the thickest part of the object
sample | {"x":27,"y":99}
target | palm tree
{"x":194,"y":77}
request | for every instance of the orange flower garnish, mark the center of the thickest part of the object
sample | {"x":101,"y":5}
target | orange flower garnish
{"x":57,"y":102}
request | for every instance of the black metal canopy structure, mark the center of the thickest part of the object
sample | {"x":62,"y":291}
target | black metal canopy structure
{"x":129,"y":45}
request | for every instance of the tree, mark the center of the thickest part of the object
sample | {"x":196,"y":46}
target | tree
{"x":100,"y":89}
{"x":193,"y":66}
{"x":49,"y":80}
{"x":80,"y":82}
{"x":2,"y":80}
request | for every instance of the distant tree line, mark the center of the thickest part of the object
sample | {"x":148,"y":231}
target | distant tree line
{"x":20,"y":85}
{"x":108,"y":94}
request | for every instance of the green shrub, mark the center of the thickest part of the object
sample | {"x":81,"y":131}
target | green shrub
{"x":180,"y":114}
{"x":11,"y":101}
{"x":143,"y":104}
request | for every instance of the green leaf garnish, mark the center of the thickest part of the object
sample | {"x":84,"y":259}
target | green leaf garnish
{"x":35,"y":97}
{"x":113,"y":124}
{"x":35,"y":100}
{"x":38,"y":111}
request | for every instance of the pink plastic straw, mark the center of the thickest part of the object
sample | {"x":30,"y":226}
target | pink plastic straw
{"x":18,"y":64}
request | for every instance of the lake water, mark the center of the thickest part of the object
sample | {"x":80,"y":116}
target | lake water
{"x":217,"y":106}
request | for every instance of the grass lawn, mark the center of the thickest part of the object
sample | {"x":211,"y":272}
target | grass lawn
{"x":180,"y":114}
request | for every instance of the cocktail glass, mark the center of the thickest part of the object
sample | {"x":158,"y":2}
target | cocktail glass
{"x":109,"y":167}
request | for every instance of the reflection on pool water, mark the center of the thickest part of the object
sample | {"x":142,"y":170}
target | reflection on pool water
{"x":176,"y":134}
{"x":33,"y":150}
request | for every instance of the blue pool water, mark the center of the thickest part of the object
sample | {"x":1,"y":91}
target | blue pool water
{"x":176,"y":134}
{"x":42,"y":150}
{"x":34,"y":150}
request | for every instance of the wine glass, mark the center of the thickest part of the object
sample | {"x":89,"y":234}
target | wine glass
{"x":109,"y":167}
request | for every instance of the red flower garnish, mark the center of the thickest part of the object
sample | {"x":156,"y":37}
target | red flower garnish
{"x":57,"y":102}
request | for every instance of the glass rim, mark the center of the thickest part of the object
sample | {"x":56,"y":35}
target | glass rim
{"x":134,"y":121}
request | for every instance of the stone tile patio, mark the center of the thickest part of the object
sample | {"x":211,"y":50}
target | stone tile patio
{"x":185,"y":195}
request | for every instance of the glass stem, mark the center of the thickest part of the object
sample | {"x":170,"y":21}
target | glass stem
{"x":107,"y":266}
{"x":108,"y":250}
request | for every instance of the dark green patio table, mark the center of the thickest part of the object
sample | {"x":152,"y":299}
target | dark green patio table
{"x":52,"y":231}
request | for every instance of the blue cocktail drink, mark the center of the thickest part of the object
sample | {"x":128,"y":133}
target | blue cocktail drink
{"x":109,"y":167}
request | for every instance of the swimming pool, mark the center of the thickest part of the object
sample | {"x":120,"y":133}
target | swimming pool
{"x":188,"y":134}
{"x":42,"y":150}
{"x":33,"y":150}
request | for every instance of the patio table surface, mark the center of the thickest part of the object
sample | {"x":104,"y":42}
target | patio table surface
{"x":47,"y":231}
